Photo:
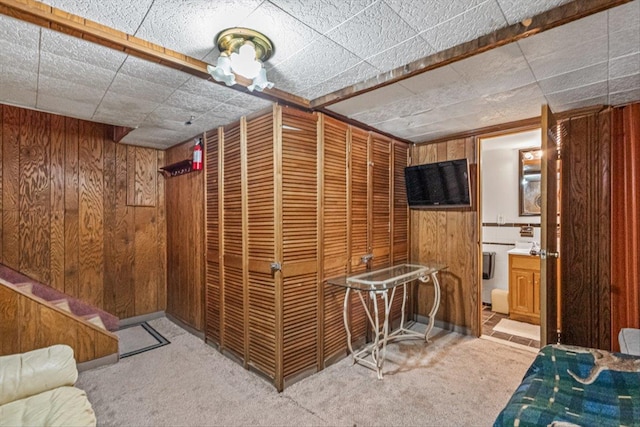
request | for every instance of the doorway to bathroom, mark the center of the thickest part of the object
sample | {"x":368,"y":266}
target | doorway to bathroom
{"x":510,"y":208}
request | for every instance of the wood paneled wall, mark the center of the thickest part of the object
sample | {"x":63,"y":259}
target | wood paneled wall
{"x":585,"y":229}
{"x":185,"y":242}
{"x":64,"y":188}
{"x":449,"y":237}
{"x":28,"y":323}
{"x":625,"y":218}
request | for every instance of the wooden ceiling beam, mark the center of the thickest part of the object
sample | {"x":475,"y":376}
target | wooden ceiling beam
{"x":58,"y":20}
{"x":552,"y":18}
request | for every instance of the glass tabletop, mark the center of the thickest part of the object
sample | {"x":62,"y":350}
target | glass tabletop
{"x":386,"y":278}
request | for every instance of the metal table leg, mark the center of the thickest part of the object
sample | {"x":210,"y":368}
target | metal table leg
{"x":436,"y":302}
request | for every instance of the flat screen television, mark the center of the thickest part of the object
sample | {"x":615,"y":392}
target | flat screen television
{"x":438,"y":185}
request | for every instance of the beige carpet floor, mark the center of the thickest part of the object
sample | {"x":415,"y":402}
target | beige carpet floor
{"x":453,"y":381}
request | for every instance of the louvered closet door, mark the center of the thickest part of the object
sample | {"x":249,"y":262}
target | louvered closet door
{"x":359,"y":223}
{"x":232,"y":278}
{"x":381,"y":201}
{"x":261,"y":247}
{"x":334,"y":243}
{"x":212,"y":291}
{"x":299,"y":242}
{"x":400,"y":221}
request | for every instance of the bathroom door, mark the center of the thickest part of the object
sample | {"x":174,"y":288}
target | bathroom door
{"x":549,"y":255}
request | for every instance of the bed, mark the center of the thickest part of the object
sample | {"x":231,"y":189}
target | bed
{"x":576,"y":386}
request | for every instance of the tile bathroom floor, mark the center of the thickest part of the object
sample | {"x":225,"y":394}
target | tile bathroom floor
{"x":491,"y":319}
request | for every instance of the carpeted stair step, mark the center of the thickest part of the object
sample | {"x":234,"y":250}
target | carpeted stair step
{"x":79,"y":308}
{"x":62,"y":303}
{"x":94,"y":319}
{"x":25,"y":287}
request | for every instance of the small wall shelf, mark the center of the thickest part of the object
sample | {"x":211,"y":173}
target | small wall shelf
{"x":178,"y":168}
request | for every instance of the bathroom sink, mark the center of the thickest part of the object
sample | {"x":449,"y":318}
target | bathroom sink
{"x":522,"y":248}
{"x":519,"y":251}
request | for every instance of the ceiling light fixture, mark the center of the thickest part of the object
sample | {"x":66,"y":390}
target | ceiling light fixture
{"x":242,"y":52}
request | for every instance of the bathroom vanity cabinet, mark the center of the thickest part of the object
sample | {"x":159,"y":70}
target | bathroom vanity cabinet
{"x":524,"y":288}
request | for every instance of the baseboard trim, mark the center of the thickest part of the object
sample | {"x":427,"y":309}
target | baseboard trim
{"x":96,"y":363}
{"x":190,"y":329}
{"x":142,"y":318}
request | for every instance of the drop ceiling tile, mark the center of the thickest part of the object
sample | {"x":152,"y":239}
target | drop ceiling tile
{"x":374,"y":29}
{"x":167,"y":117}
{"x":323,"y":15}
{"x":422,"y":18}
{"x":624,"y":66}
{"x":68,"y":69}
{"x":516,"y":104}
{"x":439,"y":78}
{"x":209,"y":121}
{"x":248,"y":102}
{"x":65,"y":46}
{"x":131,"y":86}
{"x":564,"y":60}
{"x":473,"y":23}
{"x":497,"y":70}
{"x":19,"y":32}
{"x":315,"y":63}
{"x":128,"y":111}
{"x":625,"y":84}
{"x":411,"y":50}
{"x":229,"y":112}
{"x":582,"y":103}
{"x":567,"y":38}
{"x":69,"y":89}
{"x":154,"y":73}
{"x":189,"y":27}
{"x":156,"y":138}
{"x":18,"y":56}
{"x":581,"y":93}
{"x":624,"y":16}
{"x":17,"y":86}
{"x":623,"y":98}
{"x":434,"y":130}
{"x":65,"y":106}
{"x":287,"y":33}
{"x":576,"y":78}
{"x":624,"y":42}
{"x":517,"y":10}
{"x":355,"y":74}
{"x":195,"y":103}
{"x":380,"y":97}
{"x":123,"y":15}
{"x":208,"y":89}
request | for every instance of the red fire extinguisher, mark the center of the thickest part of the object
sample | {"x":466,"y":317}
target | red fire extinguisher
{"x":196,"y":165}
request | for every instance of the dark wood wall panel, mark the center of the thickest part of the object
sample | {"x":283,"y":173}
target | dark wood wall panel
{"x":185,"y":240}
{"x":64,"y":215}
{"x":585,"y":222}
{"x":451,"y":238}
{"x":625,"y":218}
{"x":11,"y":186}
{"x":91,"y":212}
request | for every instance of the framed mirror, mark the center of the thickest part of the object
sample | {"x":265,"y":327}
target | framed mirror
{"x":530,"y":198}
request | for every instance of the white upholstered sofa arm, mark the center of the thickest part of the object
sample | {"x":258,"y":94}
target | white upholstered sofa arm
{"x":26,"y":374}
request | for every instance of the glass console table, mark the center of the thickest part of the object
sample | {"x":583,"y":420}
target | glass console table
{"x":380,"y":282}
